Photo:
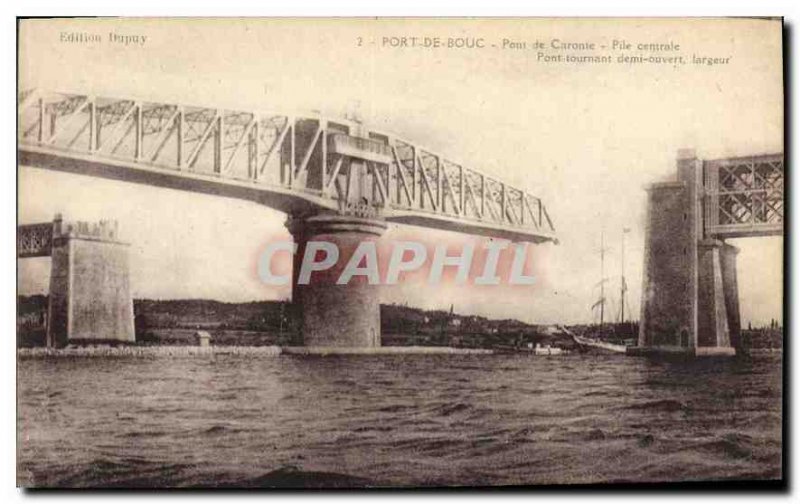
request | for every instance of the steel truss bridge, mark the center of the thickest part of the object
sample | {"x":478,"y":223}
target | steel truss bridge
{"x":34,"y":240}
{"x":744,"y":196}
{"x":297,"y":164}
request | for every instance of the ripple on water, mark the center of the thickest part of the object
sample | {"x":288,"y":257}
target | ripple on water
{"x":352,"y":422}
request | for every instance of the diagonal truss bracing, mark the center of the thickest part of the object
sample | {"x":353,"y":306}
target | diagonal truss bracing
{"x":744,"y":196}
{"x":291,"y":162}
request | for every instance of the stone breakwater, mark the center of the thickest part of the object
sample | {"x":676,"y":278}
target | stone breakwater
{"x":145,"y":351}
{"x":188,"y":351}
{"x":387,"y":350}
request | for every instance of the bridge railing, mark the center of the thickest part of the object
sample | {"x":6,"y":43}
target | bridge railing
{"x":744,"y":196}
{"x":307,"y":154}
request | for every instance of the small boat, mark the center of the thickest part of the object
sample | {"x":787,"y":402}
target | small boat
{"x":585,"y":342}
{"x":601,"y":331}
{"x":548,"y":350}
{"x":602,"y":345}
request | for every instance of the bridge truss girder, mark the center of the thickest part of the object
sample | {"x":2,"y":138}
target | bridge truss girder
{"x":35,"y":240}
{"x":282,"y":160}
{"x":744,"y":196}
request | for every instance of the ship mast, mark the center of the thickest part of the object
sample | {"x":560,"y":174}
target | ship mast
{"x":623,"y":287}
{"x":602,"y":301}
{"x":602,"y":278}
{"x":622,"y":279}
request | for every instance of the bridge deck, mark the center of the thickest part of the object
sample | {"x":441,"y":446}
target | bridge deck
{"x":295,"y":164}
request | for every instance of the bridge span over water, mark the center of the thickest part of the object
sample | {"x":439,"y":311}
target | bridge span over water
{"x":332,"y":177}
{"x":296,"y":164}
{"x":690,"y":295}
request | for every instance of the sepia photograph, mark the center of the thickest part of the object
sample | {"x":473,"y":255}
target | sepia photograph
{"x":393,"y":253}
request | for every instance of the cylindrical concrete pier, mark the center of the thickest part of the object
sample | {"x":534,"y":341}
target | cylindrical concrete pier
{"x":331,"y":315}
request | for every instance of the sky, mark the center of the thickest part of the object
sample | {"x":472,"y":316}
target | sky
{"x":587,"y":139}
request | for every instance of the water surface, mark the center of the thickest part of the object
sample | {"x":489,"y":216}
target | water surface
{"x":395,"y":420}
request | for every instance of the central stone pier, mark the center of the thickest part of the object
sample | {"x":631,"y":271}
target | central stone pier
{"x":690,"y":301}
{"x":331,"y":315}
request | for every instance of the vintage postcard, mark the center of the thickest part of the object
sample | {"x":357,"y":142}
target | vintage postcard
{"x":360,"y":252}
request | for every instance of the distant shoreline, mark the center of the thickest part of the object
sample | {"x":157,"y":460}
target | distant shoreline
{"x":188,"y":351}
